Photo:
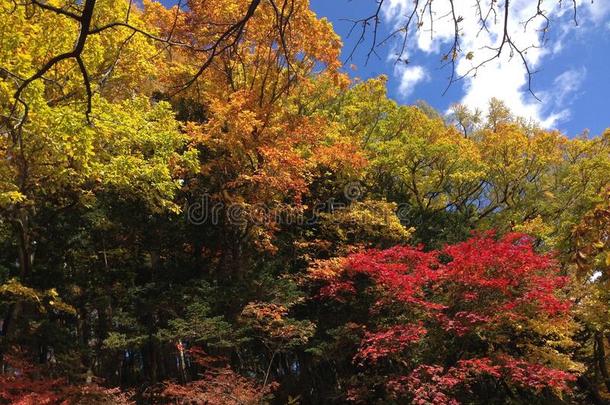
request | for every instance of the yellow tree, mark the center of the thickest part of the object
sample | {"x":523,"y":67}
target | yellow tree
{"x":62,"y":153}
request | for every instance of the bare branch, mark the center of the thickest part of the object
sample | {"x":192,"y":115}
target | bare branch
{"x":85,"y":21}
{"x":488,"y":12}
{"x":83,"y":70}
{"x":57,"y":10}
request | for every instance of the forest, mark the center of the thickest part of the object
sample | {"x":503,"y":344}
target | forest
{"x":198,"y":205}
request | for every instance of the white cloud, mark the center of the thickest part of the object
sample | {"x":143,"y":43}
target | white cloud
{"x":598,"y":10}
{"x":567,"y":84}
{"x":394,"y":10}
{"x":409,"y":78}
{"x":505,"y":77}
{"x":505,"y":80}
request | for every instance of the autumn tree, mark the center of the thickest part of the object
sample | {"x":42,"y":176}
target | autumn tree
{"x":488,"y":297}
{"x":198,"y":204}
{"x":237,"y":21}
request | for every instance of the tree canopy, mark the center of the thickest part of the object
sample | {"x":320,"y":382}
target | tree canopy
{"x":197,"y":205}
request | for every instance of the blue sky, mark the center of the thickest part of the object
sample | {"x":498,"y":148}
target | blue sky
{"x":573,"y":79}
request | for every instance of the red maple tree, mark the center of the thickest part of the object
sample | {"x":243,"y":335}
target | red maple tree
{"x":466,"y":308}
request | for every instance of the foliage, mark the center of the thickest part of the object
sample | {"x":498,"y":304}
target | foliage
{"x":492,"y":299}
{"x":214,"y":212}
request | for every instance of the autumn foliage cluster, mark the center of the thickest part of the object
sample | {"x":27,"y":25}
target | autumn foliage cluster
{"x":494,"y":300}
{"x":201,"y":208}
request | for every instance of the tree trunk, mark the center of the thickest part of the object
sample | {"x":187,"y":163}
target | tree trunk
{"x":23,"y":245}
{"x":24,"y":253}
{"x":600,"y":354}
{"x":588,"y":387}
